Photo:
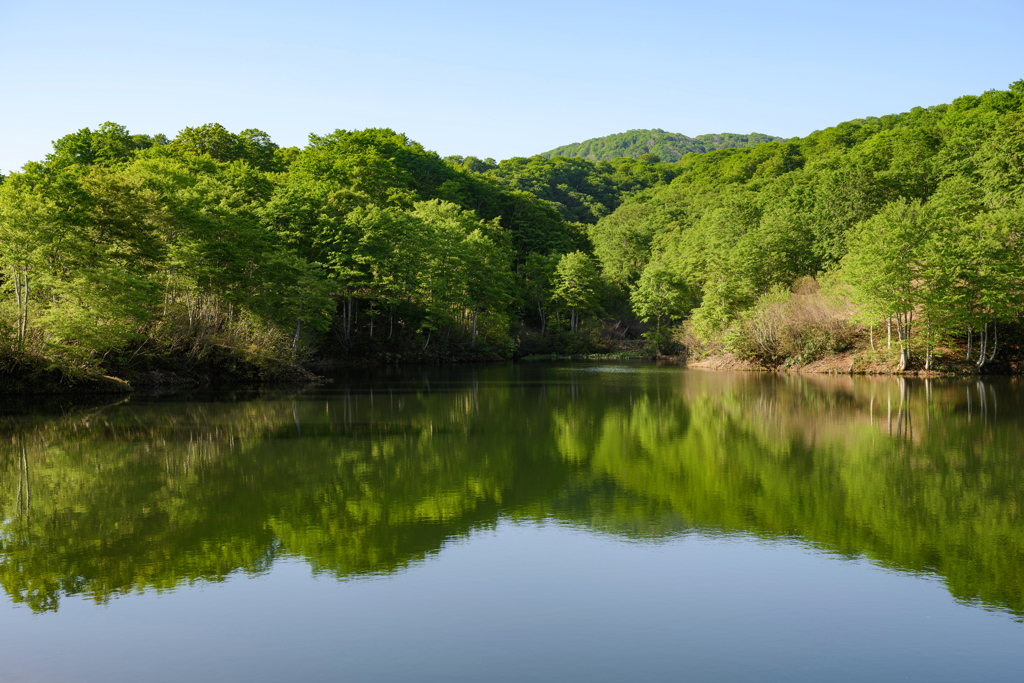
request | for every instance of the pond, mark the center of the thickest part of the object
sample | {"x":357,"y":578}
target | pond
{"x":547,"y":521}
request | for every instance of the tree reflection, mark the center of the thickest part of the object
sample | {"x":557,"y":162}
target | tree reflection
{"x":919,"y":475}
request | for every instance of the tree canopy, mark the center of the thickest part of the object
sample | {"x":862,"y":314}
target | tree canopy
{"x":219,"y":239}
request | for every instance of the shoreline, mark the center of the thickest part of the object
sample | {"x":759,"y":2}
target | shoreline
{"x":850,"y":363}
{"x":35,"y":379}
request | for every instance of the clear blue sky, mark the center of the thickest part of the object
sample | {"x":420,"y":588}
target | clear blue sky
{"x":488,"y":79}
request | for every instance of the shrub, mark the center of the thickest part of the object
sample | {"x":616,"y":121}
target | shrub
{"x":792,"y":326}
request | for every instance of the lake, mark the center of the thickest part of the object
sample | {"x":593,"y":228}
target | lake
{"x":537,"y":521}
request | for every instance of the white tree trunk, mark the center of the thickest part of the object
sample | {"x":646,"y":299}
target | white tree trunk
{"x":983,"y":347}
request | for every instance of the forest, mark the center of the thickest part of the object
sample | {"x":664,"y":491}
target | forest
{"x":666,"y":146}
{"x":220,"y":252}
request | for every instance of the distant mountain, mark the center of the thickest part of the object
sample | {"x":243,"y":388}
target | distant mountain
{"x":666,"y":146}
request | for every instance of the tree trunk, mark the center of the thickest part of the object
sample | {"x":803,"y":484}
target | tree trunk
{"x":983,"y":347}
{"x":928,"y":348}
{"x":970,"y":341}
{"x":167,"y":292}
{"x":888,"y":332}
{"x":17,"y":292}
{"x":995,"y":341}
{"x":295,"y":340}
{"x":24,"y":319}
{"x":903,"y":332}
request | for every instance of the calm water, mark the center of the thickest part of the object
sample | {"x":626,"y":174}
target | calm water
{"x":532,"y":522}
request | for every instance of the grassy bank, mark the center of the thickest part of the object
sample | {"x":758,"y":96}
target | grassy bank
{"x":811,"y":328}
{"x":27,"y":373}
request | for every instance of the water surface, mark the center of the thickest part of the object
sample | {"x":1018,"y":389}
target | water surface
{"x":547,"y":521}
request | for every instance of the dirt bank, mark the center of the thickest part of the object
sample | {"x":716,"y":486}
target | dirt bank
{"x":859,"y":362}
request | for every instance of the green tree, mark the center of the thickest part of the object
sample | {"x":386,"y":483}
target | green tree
{"x":883,"y":267}
{"x":111,"y":143}
{"x":212,"y":139}
{"x":392,"y":248}
{"x":576,"y":283}
{"x":661,"y":295}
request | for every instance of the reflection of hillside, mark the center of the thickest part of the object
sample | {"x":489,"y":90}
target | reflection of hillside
{"x":784,"y":456}
{"x":142,"y":497}
{"x":149,"y":496}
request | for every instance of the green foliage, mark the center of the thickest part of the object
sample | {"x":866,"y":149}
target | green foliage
{"x":113,"y":232}
{"x":252,"y":146}
{"x":622,"y":241}
{"x":574,"y":187}
{"x":920,"y":210}
{"x":98,"y":257}
{"x":119,"y":239}
{"x":882,"y":265}
{"x":661,"y":295}
{"x":111,"y":143}
{"x":655,"y":143}
{"x":82,"y":250}
{"x":576,"y":285}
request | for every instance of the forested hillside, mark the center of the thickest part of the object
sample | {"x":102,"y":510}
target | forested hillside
{"x":907,"y":225}
{"x":131,"y":253}
{"x":665,"y":146}
{"x":117,"y":245}
{"x":579,"y":190}
{"x":221,"y":252}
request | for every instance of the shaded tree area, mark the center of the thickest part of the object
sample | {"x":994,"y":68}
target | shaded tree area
{"x":581,"y":191}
